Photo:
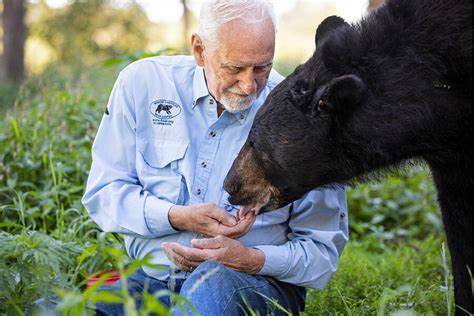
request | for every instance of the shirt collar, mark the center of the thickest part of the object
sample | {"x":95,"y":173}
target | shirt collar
{"x":199,"y":85}
{"x":241,"y":116}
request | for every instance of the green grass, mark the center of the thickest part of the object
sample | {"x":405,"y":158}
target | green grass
{"x":375,"y":279}
{"x":391,"y":264}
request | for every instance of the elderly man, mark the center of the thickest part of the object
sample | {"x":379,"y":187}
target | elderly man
{"x":172,"y":128}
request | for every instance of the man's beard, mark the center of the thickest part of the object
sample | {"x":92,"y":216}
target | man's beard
{"x":235,"y":100}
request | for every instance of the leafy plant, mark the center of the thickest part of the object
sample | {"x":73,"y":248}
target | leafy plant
{"x":401,"y":205}
{"x":32,"y":264}
{"x":375,"y":279}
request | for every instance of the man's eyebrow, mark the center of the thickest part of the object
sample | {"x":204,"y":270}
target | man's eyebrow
{"x":267,"y":63}
{"x":230,"y":65}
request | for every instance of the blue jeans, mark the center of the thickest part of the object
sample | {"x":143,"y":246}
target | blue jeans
{"x":223,"y":292}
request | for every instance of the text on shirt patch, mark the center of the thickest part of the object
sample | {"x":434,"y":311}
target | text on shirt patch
{"x":163,"y":111}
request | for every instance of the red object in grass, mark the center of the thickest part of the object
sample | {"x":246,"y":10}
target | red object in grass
{"x":114,"y":277}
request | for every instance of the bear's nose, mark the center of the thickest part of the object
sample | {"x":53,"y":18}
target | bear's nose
{"x":232,"y":185}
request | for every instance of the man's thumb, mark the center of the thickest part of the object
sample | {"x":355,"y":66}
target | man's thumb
{"x":226,"y":218}
{"x":205,"y":243}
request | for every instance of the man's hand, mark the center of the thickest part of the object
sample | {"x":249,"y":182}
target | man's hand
{"x":209,"y":220}
{"x":230,"y":252}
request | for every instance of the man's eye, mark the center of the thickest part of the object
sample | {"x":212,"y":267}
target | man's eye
{"x":262,"y":68}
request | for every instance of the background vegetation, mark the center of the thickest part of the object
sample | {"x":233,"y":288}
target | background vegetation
{"x":395,"y":263}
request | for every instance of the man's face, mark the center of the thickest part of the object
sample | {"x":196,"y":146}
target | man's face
{"x":237,"y":69}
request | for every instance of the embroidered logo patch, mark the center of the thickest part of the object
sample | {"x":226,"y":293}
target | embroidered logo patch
{"x":163,"y":111}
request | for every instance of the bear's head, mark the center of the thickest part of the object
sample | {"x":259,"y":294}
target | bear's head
{"x":373,"y":95}
{"x":302,"y":122}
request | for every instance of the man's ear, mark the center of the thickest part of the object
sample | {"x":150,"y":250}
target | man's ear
{"x":340,"y":95}
{"x":327,"y":26}
{"x":198,"y":49}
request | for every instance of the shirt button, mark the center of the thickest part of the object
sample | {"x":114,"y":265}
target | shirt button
{"x":343,"y":215}
{"x":211,"y":101}
{"x":198,"y":191}
{"x":212,"y":134}
{"x":203,"y":164}
{"x":242,"y":116}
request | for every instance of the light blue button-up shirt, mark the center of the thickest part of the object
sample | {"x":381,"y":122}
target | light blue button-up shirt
{"x":162,"y":143}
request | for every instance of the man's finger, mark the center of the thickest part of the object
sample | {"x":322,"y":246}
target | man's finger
{"x":178,"y":259}
{"x":224,"y":217}
{"x":184,"y":263}
{"x":206,"y":243}
{"x":244,"y":209}
{"x":242,"y":227}
{"x":249,"y":217}
{"x":191,"y":254}
{"x":246,"y":221}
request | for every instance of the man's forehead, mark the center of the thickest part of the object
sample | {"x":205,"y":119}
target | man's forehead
{"x":252,"y":45}
{"x":241,"y":57}
{"x":245,"y":29}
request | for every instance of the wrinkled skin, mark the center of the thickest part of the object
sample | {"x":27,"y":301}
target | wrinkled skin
{"x":394,"y":87}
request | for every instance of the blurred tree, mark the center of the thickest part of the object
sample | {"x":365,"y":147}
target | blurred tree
{"x":186,"y":23}
{"x":85,"y":32}
{"x":14,"y":35}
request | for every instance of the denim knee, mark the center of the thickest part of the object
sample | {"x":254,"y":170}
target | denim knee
{"x":208,"y":273}
{"x":215,"y":289}
{"x":207,"y":266}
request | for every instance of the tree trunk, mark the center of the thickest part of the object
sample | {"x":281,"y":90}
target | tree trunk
{"x":374,"y":4}
{"x":14,"y":35}
{"x":186,"y":25}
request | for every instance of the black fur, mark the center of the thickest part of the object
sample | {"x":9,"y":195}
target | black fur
{"x":394,"y":87}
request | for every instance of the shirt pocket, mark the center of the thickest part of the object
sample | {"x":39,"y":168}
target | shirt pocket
{"x":158,"y":163}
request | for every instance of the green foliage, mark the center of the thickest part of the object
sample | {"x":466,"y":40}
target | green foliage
{"x":126,"y":59}
{"x":44,"y":160}
{"x":32,"y":264}
{"x":382,"y":280}
{"x":399,"y":206}
{"x":45,"y":154}
{"x":8,"y":93}
{"x":85,"y":32}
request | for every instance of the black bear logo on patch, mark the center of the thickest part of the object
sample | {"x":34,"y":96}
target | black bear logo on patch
{"x":165,"y":109}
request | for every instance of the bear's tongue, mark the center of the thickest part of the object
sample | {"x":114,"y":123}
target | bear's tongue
{"x":244,"y":209}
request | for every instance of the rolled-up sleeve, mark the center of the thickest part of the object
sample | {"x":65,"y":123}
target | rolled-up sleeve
{"x":114,"y":197}
{"x":318,"y":233}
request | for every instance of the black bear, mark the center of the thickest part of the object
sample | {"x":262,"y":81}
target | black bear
{"x":395,"y":86}
{"x":163,"y":107}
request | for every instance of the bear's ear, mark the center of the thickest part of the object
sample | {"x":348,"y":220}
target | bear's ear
{"x":340,"y":95}
{"x":329,"y":24}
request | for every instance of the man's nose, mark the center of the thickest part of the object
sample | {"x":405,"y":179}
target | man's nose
{"x":248,"y":82}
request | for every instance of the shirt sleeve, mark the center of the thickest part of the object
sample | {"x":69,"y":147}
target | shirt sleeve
{"x":114,"y":197}
{"x":318,"y":233}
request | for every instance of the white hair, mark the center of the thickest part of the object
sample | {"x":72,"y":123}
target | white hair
{"x":215,"y":13}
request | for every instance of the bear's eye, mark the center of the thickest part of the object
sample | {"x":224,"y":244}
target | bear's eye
{"x":323,"y":106}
